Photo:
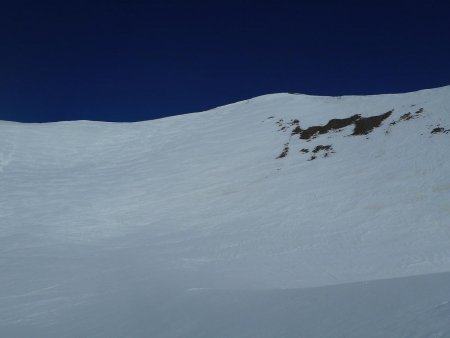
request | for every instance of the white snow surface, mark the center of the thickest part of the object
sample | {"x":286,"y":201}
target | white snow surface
{"x":190,"y":226}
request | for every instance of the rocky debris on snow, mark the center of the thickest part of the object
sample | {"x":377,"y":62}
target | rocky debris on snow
{"x":362,"y":126}
{"x":326,"y":150}
{"x":439,"y":129}
{"x":407,"y":116}
{"x":321,"y":147}
{"x":285,"y":151}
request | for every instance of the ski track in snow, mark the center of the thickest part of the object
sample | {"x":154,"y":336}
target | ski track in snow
{"x":190,"y":226}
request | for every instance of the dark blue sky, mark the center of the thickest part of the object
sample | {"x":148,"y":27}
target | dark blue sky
{"x":139,"y":60}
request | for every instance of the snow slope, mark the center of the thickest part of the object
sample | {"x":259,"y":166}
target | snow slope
{"x":195,"y":226}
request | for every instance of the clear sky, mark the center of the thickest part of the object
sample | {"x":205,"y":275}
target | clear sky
{"x":140,"y":60}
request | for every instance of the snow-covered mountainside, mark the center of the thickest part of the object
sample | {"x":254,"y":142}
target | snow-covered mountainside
{"x":281,"y":216}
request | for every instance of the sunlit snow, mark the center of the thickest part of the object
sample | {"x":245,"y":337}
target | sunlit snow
{"x":194,"y":226}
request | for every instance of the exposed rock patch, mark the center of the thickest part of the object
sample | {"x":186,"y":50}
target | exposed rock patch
{"x":366,"y":125}
{"x":334,"y":124}
{"x":297,"y":130}
{"x":363,"y":126}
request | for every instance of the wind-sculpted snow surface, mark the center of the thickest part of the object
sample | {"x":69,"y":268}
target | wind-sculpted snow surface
{"x":197,"y":225}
